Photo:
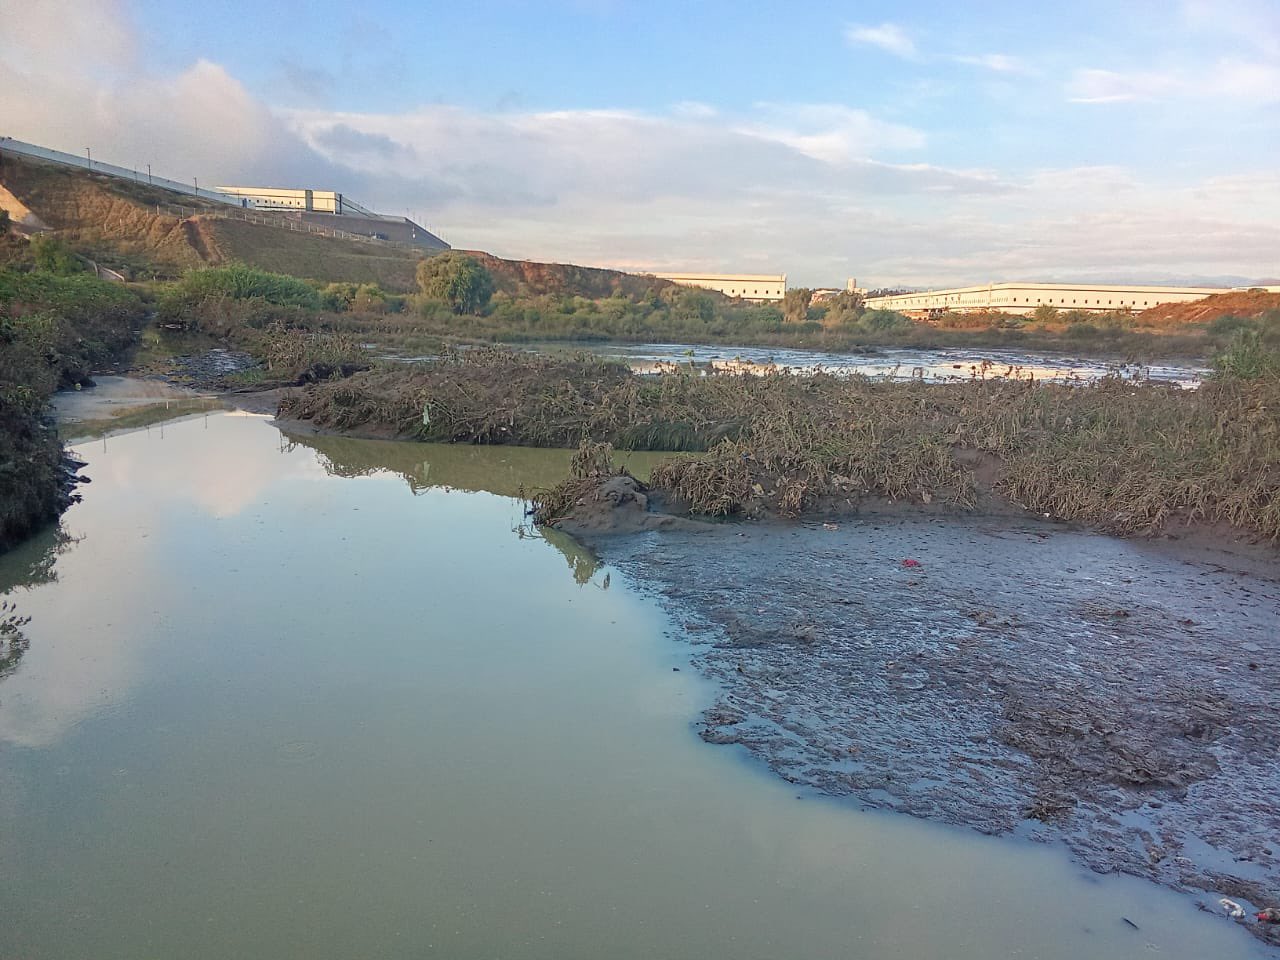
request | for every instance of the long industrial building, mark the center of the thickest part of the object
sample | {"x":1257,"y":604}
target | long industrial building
{"x":746,"y":286}
{"x":1023,"y":298}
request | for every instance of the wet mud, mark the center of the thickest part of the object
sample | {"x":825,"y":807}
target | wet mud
{"x":1121,"y":697}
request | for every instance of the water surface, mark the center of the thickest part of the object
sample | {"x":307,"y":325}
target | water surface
{"x":322,"y":699}
{"x":893,"y":363}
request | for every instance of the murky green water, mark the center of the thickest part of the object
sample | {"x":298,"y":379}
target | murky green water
{"x":324,"y":701}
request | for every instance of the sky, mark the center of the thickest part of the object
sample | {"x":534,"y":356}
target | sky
{"x":904,"y":143}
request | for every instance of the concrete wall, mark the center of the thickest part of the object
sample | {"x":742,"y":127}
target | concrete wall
{"x":400,"y":229}
{"x":747,"y":286}
{"x":1023,"y":298}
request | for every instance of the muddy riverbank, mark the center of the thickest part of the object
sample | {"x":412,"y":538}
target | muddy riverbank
{"x":1118,"y":697}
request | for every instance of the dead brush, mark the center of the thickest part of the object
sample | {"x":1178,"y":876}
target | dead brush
{"x":592,"y":464}
{"x":1124,"y":456}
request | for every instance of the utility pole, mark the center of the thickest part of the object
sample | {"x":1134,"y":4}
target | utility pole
{"x":148,"y":173}
{"x":196,"y":181}
{"x":89,"y":155}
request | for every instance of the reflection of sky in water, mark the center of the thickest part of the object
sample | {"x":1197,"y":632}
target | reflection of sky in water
{"x":900,"y":364}
{"x":271,"y":711}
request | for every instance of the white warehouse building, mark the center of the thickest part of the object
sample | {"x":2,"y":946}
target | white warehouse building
{"x":746,"y":286}
{"x":1025,"y":297}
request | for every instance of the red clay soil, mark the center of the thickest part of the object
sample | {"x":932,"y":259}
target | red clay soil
{"x":1235,"y":303}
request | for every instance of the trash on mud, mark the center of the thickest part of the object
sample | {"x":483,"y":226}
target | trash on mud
{"x":1234,"y":910}
{"x":1269,"y":915}
{"x":831,"y":526}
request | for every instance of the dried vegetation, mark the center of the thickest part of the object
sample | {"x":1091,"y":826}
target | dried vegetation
{"x":1121,"y":456}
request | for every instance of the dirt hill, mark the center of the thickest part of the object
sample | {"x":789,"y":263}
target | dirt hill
{"x":526,"y":277}
{"x":1233,"y":303}
{"x":130,"y":227}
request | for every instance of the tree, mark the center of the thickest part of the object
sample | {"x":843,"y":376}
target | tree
{"x":845,"y":307}
{"x":694,"y":305}
{"x":4,"y":221}
{"x":1045,"y":313}
{"x":458,"y":280}
{"x":795,"y":304}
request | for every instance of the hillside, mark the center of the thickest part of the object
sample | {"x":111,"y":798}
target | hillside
{"x":1238,"y":303}
{"x":529,"y":278}
{"x":130,"y":227}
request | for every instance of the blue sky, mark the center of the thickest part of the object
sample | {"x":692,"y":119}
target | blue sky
{"x":900,"y":143}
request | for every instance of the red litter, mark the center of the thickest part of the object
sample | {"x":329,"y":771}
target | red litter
{"x":911,"y":564}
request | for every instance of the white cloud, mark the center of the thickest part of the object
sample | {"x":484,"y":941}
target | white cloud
{"x":888,"y":37}
{"x":997,"y":62}
{"x":694,"y":110}
{"x":1230,"y":81}
{"x":1108,"y":86}
{"x":1247,"y":24}
{"x":1243,"y":80}
{"x":829,"y":132}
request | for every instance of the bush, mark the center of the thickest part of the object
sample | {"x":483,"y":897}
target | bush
{"x":4,"y":221}
{"x":1044,"y":313}
{"x":460,"y":281}
{"x":241,"y":282}
{"x":220,"y":300}
{"x":1082,"y":331}
{"x":1230,"y":324}
{"x":53,"y":256}
{"x":884,"y":320}
{"x":1247,"y":358}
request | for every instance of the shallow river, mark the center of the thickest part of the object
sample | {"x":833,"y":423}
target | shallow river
{"x":934,"y":366}
{"x":323,"y":700}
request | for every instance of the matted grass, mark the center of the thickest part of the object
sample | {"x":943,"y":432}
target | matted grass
{"x":1121,"y":456}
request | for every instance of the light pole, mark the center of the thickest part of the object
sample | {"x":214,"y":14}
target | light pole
{"x":89,"y":155}
{"x":196,"y":181}
{"x":148,"y":173}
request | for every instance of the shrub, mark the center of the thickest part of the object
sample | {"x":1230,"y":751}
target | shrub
{"x":1247,"y":357}
{"x":1044,"y":313}
{"x":241,"y":282}
{"x":220,"y":300}
{"x":884,"y":320}
{"x":53,"y":256}
{"x":1229,"y":324}
{"x":1082,"y":331}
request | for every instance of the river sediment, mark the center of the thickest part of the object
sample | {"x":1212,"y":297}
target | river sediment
{"x":1015,"y":677}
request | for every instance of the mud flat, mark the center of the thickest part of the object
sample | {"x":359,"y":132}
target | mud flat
{"x":1016,"y":677}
